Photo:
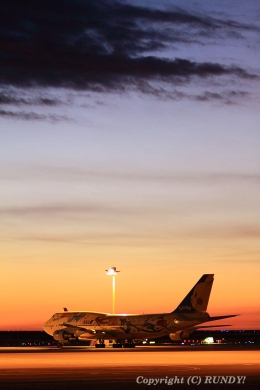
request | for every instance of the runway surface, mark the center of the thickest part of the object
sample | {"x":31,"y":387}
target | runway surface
{"x":203,"y":367}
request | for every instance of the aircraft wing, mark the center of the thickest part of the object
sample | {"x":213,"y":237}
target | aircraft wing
{"x":73,"y":329}
{"x":78,"y":331}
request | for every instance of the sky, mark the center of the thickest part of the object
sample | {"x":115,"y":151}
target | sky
{"x":129,"y":136}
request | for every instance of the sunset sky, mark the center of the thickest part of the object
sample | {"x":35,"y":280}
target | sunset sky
{"x":130,"y":136}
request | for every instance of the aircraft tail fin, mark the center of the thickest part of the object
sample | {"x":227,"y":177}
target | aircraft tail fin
{"x":198,"y":297}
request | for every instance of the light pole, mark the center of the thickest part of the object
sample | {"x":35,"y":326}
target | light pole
{"x":112,"y":271}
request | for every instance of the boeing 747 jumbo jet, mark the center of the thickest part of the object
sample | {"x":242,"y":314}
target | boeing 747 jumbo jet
{"x":127,"y":329}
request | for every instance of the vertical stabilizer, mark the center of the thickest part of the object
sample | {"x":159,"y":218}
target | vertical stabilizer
{"x":198,"y":297}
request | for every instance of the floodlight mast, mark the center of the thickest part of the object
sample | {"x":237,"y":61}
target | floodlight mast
{"x":112,"y":271}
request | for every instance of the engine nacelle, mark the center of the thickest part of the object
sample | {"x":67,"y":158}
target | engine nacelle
{"x":179,"y":335}
{"x":63,"y":336}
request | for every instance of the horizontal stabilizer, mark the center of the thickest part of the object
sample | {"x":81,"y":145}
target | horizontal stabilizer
{"x":210,"y":326}
{"x":221,"y":317}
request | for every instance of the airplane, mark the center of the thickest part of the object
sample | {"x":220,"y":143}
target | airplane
{"x":125,"y":330}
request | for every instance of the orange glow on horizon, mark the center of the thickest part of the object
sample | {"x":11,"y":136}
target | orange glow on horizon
{"x":150,"y":162}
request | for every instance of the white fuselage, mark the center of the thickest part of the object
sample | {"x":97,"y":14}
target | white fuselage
{"x":121,"y":327}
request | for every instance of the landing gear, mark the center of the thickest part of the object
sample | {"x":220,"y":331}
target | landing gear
{"x":100,"y":345}
{"x":117,"y":345}
{"x":129,"y":345}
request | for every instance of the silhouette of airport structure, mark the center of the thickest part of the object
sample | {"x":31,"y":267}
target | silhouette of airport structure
{"x":40,"y":338}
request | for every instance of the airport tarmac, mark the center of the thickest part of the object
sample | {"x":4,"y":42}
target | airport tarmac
{"x":206,"y":367}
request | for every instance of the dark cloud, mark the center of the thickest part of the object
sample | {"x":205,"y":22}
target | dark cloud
{"x":101,"y":45}
{"x":32,"y":116}
{"x":7,"y":97}
{"x":228,"y":97}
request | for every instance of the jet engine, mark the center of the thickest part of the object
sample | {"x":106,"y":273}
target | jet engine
{"x":63,"y":336}
{"x":179,"y":335}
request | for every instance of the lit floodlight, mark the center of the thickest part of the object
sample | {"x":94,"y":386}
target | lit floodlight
{"x":112,"y":272}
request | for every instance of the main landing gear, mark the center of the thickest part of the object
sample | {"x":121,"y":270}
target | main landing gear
{"x":100,"y":345}
{"x":117,"y":345}
{"x":127,"y":344}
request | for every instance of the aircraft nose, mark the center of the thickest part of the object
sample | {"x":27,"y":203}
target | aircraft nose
{"x":47,"y":328}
